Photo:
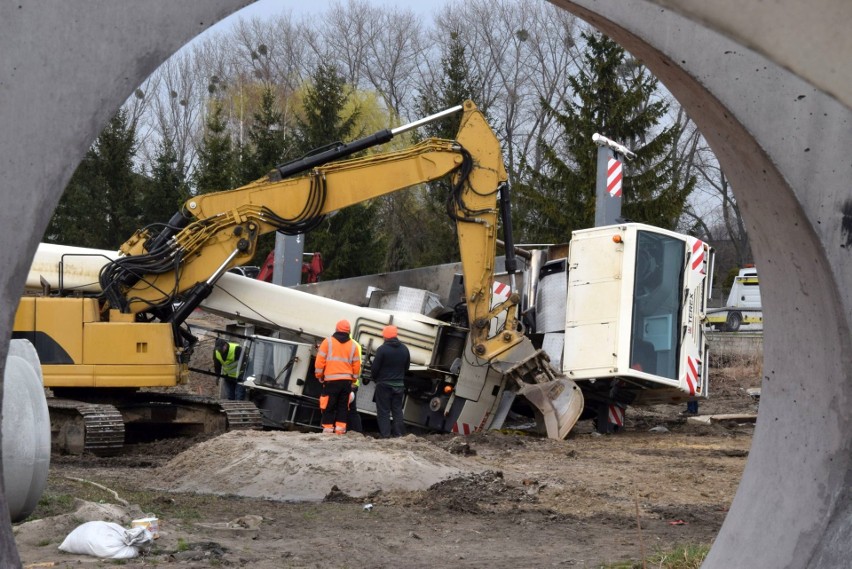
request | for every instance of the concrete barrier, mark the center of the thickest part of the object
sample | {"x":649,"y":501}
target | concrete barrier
{"x":727,"y":346}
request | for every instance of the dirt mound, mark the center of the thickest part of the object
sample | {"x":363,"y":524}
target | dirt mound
{"x":295,"y":467}
{"x":475,"y":493}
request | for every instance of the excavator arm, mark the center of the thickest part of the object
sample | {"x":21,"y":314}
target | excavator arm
{"x":217,"y":231}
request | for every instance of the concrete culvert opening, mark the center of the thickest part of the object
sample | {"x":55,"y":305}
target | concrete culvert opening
{"x":781,"y":140}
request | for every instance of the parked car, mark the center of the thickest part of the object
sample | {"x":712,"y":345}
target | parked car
{"x":249,"y":271}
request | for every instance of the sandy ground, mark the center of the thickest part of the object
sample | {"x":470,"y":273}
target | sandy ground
{"x":273,"y":499}
{"x":270,"y":499}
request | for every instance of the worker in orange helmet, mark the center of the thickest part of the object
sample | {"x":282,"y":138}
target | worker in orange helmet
{"x":389,"y":367}
{"x":337,"y":366}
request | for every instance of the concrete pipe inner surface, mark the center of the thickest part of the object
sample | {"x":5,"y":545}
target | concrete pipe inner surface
{"x":780,"y":135}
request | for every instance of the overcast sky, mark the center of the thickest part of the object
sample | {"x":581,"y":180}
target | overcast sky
{"x":425,"y":8}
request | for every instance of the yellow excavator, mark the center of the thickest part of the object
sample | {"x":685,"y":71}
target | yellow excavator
{"x":101,"y":340}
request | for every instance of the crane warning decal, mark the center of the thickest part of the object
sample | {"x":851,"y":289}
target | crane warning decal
{"x":616,"y":415}
{"x":613,"y":178}
{"x":501,"y":293}
{"x":692,"y":374}
{"x":697,"y":258}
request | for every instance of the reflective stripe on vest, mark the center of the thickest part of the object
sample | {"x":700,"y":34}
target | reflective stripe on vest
{"x":357,"y":383}
{"x":229,"y":364}
{"x":330,"y":358}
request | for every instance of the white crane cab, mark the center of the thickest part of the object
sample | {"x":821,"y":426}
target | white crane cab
{"x":637,"y":296}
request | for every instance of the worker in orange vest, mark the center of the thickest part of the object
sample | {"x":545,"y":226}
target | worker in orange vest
{"x":337,"y":366}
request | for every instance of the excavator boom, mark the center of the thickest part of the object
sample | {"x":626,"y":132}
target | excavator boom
{"x":225,"y":226}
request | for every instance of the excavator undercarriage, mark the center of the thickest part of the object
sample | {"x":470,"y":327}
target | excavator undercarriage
{"x":102,"y":428}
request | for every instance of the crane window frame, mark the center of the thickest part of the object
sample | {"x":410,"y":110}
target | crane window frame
{"x":657,"y":307}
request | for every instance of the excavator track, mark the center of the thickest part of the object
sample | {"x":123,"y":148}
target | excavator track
{"x":238,"y":414}
{"x":77,"y":427}
{"x":198,"y":414}
{"x":242,"y":415}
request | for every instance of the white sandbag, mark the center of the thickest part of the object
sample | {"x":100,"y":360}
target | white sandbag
{"x":106,"y":539}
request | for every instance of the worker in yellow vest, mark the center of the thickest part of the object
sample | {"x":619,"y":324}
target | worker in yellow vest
{"x":226,"y":366}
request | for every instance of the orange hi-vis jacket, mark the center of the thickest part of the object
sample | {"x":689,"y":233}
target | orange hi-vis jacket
{"x":336,"y":361}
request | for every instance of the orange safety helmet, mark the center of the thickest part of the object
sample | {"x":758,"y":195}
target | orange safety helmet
{"x":343,"y":326}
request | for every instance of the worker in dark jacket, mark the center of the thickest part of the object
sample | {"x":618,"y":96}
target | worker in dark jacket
{"x":389,"y":367}
{"x":336,"y":366}
{"x":226,"y":366}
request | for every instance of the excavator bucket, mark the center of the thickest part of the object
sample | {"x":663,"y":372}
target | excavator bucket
{"x":557,"y":399}
{"x":559,"y":403}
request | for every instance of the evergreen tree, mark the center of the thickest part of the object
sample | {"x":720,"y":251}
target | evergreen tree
{"x":458,"y":83}
{"x":100,"y":206}
{"x":324,"y":101}
{"x":167,"y":189}
{"x":614,"y":96}
{"x":349,"y":240}
{"x":216,"y":164}
{"x":266,"y":146}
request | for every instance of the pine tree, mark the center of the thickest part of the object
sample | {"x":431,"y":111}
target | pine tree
{"x":614,"y":96}
{"x":100,"y":206}
{"x":457,"y":84}
{"x":349,"y":240}
{"x":324,"y":101}
{"x":216,"y":164}
{"x":266,"y":146}
{"x":167,"y":189}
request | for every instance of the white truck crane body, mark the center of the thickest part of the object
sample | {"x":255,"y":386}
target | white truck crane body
{"x":592,"y":321}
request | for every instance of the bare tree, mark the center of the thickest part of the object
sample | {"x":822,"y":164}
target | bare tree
{"x":178,"y":110}
{"x":271,"y":51}
{"x":523,"y":51}
{"x":344,"y":37}
{"x":392,"y":57}
{"x":727,"y":222}
{"x":257,"y":54}
{"x":712,"y":212}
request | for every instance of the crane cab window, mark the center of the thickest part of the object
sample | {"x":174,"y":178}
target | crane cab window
{"x":656,"y":304}
{"x":271,"y":363}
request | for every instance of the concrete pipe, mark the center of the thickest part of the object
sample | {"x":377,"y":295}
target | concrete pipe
{"x":66,"y":69}
{"x":780,"y":129}
{"x":766,"y":81}
{"x":26,"y":430}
